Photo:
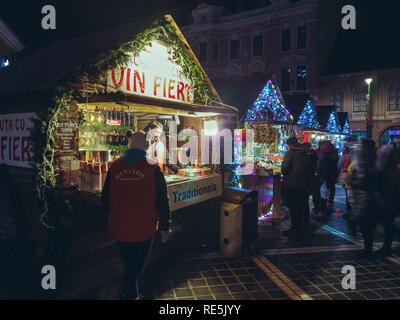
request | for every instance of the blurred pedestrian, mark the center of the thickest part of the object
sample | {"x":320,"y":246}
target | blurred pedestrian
{"x":312,"y":177}
{"x":294,"y":170}
{"x":134,"y":193}
{"x":328,"y":172}
{"x":343,"y":165}
{"x":389,"y":185}
{"x":364,"y":183}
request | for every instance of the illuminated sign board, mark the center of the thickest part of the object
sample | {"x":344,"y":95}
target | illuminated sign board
{"x":153,"y":73}
{"x":394,"y":132}
{"x":183,"y":194}
{"x":15,"y":142}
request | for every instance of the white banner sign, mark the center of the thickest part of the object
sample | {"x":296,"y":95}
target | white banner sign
{"x":15,"y":141}
{"x":153,"y":73}
{"x":183,"y":194}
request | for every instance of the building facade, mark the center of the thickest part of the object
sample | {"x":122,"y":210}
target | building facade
{"x":281,"y":37}
{"x":349,"y":93}
{"x":9,"y":45}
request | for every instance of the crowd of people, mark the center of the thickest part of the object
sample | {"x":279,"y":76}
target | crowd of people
{"x":371,"y":180}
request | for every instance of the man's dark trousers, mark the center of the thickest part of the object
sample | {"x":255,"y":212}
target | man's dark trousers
{"x":134,"y":255}
{"x":298,"y":203}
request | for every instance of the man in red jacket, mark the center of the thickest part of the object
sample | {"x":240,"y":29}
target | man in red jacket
{"x":134,"y":193}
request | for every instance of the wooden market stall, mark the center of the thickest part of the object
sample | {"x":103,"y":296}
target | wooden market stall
{"x":273,"y":124}
{"x":76,"y":100}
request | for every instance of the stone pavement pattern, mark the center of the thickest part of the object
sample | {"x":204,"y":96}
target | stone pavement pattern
{"x":304,"y":268}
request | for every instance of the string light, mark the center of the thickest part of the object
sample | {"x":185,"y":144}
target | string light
{"x":308,"y":117}
{"x":333,"y":125}
{"x":269,"y":105}
{"x":346,"y":128}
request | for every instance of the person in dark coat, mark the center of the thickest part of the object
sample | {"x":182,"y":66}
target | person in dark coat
{"x":328,"y":171}
{"x":312,"y":175}
{"x":364,"y":183}
{"x":135,"y":195}
{"x":388,"y":165}
{"x":295,"y":168}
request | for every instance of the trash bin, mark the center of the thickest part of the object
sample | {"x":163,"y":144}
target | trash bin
{"x":238,"y":222}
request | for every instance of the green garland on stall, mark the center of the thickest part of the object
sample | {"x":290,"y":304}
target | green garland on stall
{"x":43,"y":139}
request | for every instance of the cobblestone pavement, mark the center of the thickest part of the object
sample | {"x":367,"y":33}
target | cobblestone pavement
{"x":306,"y":268}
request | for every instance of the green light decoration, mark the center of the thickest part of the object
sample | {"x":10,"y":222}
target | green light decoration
{"x":333,"y":125}
{"x":269,"y":106}
{"x":308,"y":117}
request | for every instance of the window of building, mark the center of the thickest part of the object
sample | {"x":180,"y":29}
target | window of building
{"x":394,"y":99}
{"x":285,"y":40}
{"x":285,"y":79}
{"x":203,"y":51}
{"x":301,"y":76}
{"x":360,"y":102}
{"x":337,"y":100}
{"x":235,"y":49}
{"x":302,"y":37}
{"x":257,"y":45}
{"x":216,"y":50}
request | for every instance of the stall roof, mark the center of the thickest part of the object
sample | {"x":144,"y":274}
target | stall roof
{"x":323,"y":113}
{"x":37,"y":70}
{"x":295,"y":103}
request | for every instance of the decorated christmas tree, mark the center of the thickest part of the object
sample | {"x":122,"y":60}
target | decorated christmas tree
{"x":333,"y":125}
{"x":269,"y":105}
{"x":346,"y":128}
{"x":308,"y":117}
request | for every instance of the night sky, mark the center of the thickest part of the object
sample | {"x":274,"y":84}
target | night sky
{"x":80,"y":16}
{"x":373,"y":45}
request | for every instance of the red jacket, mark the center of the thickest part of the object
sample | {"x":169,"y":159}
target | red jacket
{"x":132,"y":198}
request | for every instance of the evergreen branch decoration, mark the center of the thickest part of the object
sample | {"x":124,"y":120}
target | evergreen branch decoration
{"x":43,"y":139}
{"x":163,"y":31}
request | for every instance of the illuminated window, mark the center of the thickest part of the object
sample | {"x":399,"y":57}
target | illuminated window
{"x":360,"y":102}
{"x":302,"y":37}
{"x":203,"y":51}
{"x":285,"y":79}
{"x":394,"y":99}
{"x":301,"y":77}
{"x":258,"y":45}
{"x":285,"y":40}
{"x":216,"y":50}
{"x":337,"y":100}
{"x":235,"y":49}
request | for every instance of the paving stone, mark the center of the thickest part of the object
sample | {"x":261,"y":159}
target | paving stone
{"x":385,"y":293}
{"x":224,"y":273}
{"x":242,"y":296}
{"x":183,"y":293}
{"x":252,"y":286}
{"x":213,"y":281}
{"x":354,"y":296}
{"x":236,"y":288}
{"x":229,"y":280}
{"x":197,"y":283}
{"x":259,"y":295}
{"x":338,"y":296}
{"x":201,"y":291}
{"x":219,"y":290}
